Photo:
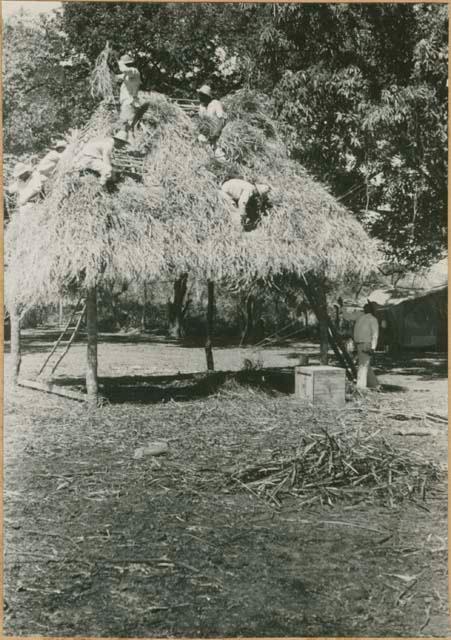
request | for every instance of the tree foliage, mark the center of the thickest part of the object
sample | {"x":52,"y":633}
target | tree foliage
{"x":360,"y":91}
{"x":177,"y":46}
{"x":42,"y":98}
{"x":364,"y":106}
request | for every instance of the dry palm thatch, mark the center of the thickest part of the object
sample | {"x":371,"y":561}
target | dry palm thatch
{"x":101,"y":79}
{"x":176,"y":220}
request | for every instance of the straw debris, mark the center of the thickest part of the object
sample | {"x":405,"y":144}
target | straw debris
{"x":331,"y":468}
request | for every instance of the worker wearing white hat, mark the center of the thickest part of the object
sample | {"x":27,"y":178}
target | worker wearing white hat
{"x":208,"y":106}
{"x":128,"y":96}
{"x":22,"y":171}
{"x":366,"y":334}
{"x":21,"y":175}
{"x":213,"y":111}
{"x":46,"y":167}
{"x":27,"y":184}
{"x":243,"y":193}
{"x":96,"y":155}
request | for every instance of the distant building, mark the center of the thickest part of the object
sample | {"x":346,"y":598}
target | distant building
{"x":415,"y":313}
{"x":416,"y":321}
{"x":412,"y":315}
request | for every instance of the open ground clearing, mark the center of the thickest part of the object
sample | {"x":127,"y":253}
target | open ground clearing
{"x":101,"y":542}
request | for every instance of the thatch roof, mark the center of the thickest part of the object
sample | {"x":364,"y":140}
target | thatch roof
{"x":177,"y":220}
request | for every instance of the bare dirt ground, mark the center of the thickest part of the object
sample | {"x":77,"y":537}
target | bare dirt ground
{"x":102,"y":542}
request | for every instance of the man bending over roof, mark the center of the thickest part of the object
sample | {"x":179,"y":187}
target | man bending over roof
{"x":248,"y":198}
{"x":47,"y":165}
{"x":27,"y":185}
{"x":96,"y":155}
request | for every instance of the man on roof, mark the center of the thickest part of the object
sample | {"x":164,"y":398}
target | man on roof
{"x":48,"y":164}
{"x":131,"y":111}
{"x":213,"y":110}
{"x":249,"y":200}
{"x":96,"y":155}
{"x":209,"y":106}
{"x":27,"y":184}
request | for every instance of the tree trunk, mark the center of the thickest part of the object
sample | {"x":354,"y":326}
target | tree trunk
{"x":248,"y":331}
{"x":210,"y":314}
{"x":323,"y":340}
{"x":176,"y":314}
{"x":60,"y":313}
{"x":91,"y":356}
{"x":16,"y":356}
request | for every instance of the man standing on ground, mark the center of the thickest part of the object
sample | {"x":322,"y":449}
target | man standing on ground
{"x":366,"y":334}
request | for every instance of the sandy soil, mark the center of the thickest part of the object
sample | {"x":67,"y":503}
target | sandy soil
{"x":100,"y":542}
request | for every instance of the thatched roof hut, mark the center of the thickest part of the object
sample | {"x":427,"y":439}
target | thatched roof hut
{"x":176,"y":219}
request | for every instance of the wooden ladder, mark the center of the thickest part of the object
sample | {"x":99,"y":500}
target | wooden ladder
{"x":60,"y":348}
{"x":335,"y":341}
{"x":129,"y":162}
{"x":190,"y":107}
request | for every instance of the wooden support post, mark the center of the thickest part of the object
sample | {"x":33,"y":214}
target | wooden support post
{"x":176,"y":307}
{"x":248,"y":332}
{"x":316,"y":295}
{"x":210,"y":314}
{"x":144,"y":309}
{"x":91,"y":355}
{"x":16,"y":353}
{"x":323,"y":320}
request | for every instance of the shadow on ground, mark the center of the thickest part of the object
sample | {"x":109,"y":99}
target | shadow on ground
{"x":184,"y":387}
{"x":425,"y":365}
{"x":42,"y":338}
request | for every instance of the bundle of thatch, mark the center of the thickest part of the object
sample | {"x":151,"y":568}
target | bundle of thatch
{"x":328,"y":469}
{"x":176,"y":220}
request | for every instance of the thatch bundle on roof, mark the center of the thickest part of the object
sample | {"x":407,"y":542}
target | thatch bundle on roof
{"x":176,"y":220}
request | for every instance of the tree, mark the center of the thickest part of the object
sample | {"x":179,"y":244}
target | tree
{"x":177,"y":307}
{"x":360,"y":91}
{"x":364,"y":107}
{"x":177,"y":46}
{"x":42,"y":96}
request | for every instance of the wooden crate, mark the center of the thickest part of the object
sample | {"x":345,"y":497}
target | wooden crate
{"x":320,"y":385}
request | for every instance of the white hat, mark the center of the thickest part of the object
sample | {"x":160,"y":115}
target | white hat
{"x":205,"y":90}
{"x":21,"y":169}
{"x":263,"y":189}
{"x":121,"y":135}
{"x":59,"y":144}
{"x":126,"y":59}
